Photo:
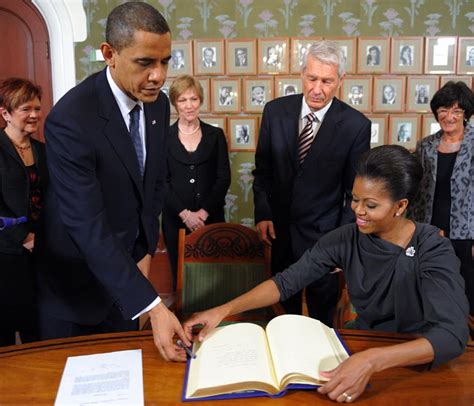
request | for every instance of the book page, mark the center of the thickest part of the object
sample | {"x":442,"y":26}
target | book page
{"x":300,"y":345}
{"x":228,"y":357}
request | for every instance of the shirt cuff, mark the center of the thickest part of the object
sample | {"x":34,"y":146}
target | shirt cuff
{"x":155,"y":302}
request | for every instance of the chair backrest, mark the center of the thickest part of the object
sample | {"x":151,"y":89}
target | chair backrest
{"x":218,"y":263}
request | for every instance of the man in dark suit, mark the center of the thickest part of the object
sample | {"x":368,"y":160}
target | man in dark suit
{"x":208,"y":55}
{"x":300,"y":194}
{"x":106,"y":149}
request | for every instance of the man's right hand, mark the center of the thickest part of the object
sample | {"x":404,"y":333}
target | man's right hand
{"x":266,"y":232}
{"x":165,"y":325}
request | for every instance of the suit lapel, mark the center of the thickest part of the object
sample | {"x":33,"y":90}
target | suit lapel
{"x":7,"y":145}
{"x":289,"y":123}
{"x":326,"y":132}
{"x":116,"y":131}
{"x":154,"y":132}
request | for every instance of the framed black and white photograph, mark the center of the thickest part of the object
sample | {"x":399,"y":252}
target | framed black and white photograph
{"x":466,"y":56}
{"x":373,"y":55}
{"x":299,"y":47}
{"x":181,"y":62}
{"x":378,"y":129}
{"x":216,"y":121}
{"x":166,"y":87}
{"x":273,"y":55}
{"x":257,"y":92}
{"x":225,"y":95}
{"x":440,"y":55}
{"x":206,"y":103}
{"x":349,"y":48}
{"x":447,"y":78}
{"x":243,"y":133}
{"x":241,"y":56}
{"x":209,"y":57}
{"x":430,"y":125}
{"x":407,"y":55}
{"x":420,"y":90}
{"x":287,"y":85}
{"x":389,"y":93}
{"x":404,"y":130}
{"x":357,"y":92}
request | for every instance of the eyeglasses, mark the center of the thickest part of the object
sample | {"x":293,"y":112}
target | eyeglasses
{"x":443,"y":113}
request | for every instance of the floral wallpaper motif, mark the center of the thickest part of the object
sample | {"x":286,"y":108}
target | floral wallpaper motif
{"x":196,"y":19}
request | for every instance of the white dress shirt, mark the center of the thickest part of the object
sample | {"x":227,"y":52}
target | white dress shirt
{"x":305,"y":110}
{"x":126,"y":104}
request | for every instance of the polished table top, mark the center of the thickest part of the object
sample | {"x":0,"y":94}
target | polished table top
{"x":30,"y":374}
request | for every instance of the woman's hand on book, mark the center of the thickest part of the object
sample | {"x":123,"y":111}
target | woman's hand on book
{"x":208,"y":318}
{"x":349,"y":380}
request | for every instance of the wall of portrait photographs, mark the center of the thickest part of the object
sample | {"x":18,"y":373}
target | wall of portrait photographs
{"x":391,"y":80}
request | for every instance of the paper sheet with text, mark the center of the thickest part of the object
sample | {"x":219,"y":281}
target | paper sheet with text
{"x":113,"y":378}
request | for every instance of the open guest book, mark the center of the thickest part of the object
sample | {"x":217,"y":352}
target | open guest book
{"x":244,"y":360}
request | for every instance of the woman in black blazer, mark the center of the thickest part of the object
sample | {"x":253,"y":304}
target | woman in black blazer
{"x":23,"y":176}
{"x":198,"y":168}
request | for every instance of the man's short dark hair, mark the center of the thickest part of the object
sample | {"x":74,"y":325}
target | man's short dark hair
{"x":124,"y":20}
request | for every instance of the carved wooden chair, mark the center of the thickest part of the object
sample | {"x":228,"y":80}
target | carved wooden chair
{"x":218,"y":263}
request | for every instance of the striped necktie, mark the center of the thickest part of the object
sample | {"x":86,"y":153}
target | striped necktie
{"x":306,"y":137}
{"x":135,"y":134}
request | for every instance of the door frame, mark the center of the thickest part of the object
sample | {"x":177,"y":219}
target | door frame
{"x":66,"y":23}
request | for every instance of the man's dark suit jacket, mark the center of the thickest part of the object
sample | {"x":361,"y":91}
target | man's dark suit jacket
{"x":98,"y":204}
{"x":314,"y":198}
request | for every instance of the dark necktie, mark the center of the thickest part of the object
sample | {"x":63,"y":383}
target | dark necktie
{"x":306,"y":137}
{"x":135,"y":134}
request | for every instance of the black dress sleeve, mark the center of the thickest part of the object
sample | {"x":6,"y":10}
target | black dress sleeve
{"x":316,"y":262}
{"x":444,"y":301}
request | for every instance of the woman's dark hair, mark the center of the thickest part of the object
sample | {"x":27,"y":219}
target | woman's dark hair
{"x":396,"y":167}
{"x":452,"y":93}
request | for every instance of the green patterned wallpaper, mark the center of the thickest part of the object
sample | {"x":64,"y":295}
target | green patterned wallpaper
{"x":195,"y":19}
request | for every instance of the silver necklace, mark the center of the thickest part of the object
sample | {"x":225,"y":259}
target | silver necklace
{"x":451,"y":146}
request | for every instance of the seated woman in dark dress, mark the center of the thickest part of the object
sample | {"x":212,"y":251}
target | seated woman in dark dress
{"x":401,"y":276}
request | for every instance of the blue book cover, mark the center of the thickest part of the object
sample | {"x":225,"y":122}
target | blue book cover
{"x":286,"y":328}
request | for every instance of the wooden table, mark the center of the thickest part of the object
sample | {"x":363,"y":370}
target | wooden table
{"x":30,"y":374}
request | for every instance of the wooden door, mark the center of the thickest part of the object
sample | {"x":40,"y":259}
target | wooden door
{"x":24,"y":48}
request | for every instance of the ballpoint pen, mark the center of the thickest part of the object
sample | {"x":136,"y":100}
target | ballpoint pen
{"x":186,"y":349}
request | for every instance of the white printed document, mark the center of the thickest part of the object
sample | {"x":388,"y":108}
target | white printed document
{"x":113,"y":378}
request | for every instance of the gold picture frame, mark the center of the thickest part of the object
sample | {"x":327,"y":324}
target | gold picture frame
{"x":243,"y":133}
{"x":273,"y":55}
{"x":225,"y":95}
{"x":209,"y":57}
{"x":440,"y":55}
{"x":181,"y":62}
{"x":373,"y":54}
{"x":404,"y":130}
{"x":241,"y":56}
{"x":406,"y":55}
{"x":257,"y":92}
